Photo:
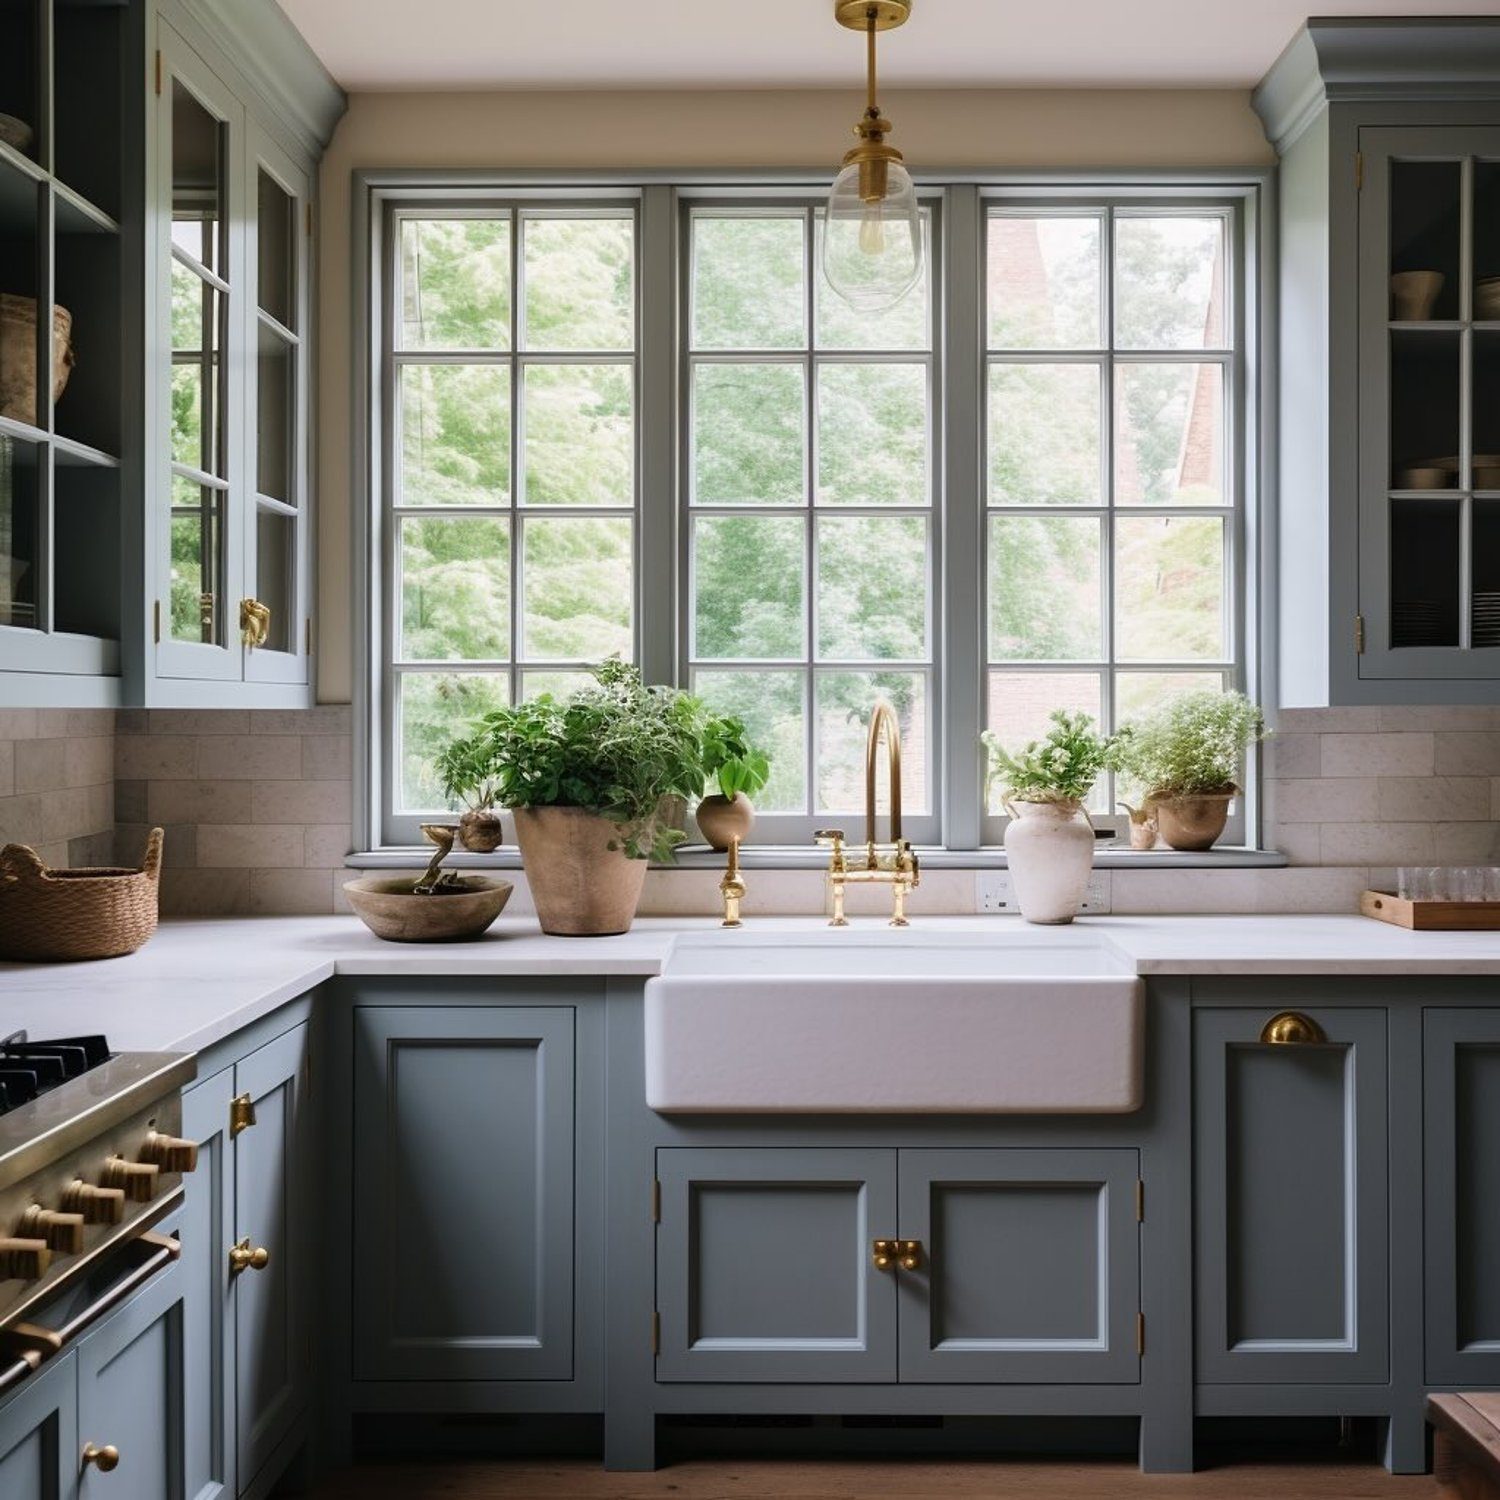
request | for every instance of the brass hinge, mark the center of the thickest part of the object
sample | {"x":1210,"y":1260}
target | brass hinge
{"x":158,"y":71}
{"x":1359,"y":171}
{"x":1140,"y":1333}
{"x":1359,"y":635}
{"x":656,"y":1200}
{"x":241,"y":1114}
{"x":156,"y":621}
{"x":1140,"y":1201}
{"x":655,"y":1332}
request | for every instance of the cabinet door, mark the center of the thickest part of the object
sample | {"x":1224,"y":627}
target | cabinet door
{"x":194,"y":460}
{"x":1030,"y":1266}
{"x":39,"y":1435}
{"x":1429,"y":424}
{"x":764,"y":1270}
{"x":1461,"y":1142}
{"x":463,"y":1192}
{"x":130,"y":1396}
{"x":207,"y":1302}
{"x":1290,"y":1189}
{"x":279,"y":316}
{"x":271,"y":1333}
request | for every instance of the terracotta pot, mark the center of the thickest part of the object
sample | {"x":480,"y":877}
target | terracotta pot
{"x":1192,"y":823}
{"x":722,"y":818}
{"x":390,"y":909}
{"x":581,"y":887}
{"x":480,"y":830}
{"x":18,"y":356}
{"x":1049,"y":847}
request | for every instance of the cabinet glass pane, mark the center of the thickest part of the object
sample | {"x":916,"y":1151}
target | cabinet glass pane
{"x":197,"y":562}
{"x":198,"y":220}
{"x":1486,"y":220}
{"x":455,"y":435}
{"x":1044,"y":286}
{"x":455,"y":589}
{"x":88,"y":40}
{"x":580,"y":283}
{"x":1485,"y":622}
{"x":747,"y":284}
{"x":275,"y":399}
{"x":1169,"y":588}
{"x":1424,"y":410}
{"x":1045,"y":595}
{"x":1169,"y":434}
{"x":432,"y":708}
{"x":197,"y":397}
{"x":872,"y":434}
{"x":276,"y":251}
{"x":455,"y":284}
{"x":1425,"y":572}
{"x":1485,"y":405}
{"x":19,"y":470}
{"x":1425,"y":215}
{"x":771,"y":705}
{"x":748,"y":582}
{"x":275,"y":576}
{"x":748,"y":434}
{"x":20,"y":71}
{"x":1044,"y":434}
{"x":19,"y":260}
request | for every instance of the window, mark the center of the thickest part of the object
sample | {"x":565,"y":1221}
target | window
{"x":810,"y":516}
{"x":628,"y":419}
{"x":1111,"y":378}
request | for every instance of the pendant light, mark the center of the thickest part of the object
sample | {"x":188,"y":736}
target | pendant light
{"x":872,"y":231}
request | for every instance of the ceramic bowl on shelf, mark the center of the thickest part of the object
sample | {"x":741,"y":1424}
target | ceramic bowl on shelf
{"x":388,"y":906}
{"x":1487,"y":299}
{"x":1486,"y":471}
{"x":1429,"y":474}
{"x":1414,"y":294}
{"x":16,"y":134}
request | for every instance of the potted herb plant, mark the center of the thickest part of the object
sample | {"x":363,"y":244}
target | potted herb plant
{"x":466,"y":775}
{"x":584,"y":778}
{"x":1186,"y":755}
{"x":1049,"y":842}
{"x":739,"y":771}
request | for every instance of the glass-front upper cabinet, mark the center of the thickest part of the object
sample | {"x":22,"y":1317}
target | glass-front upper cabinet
{"x":230,"y":483}
{"x":1430,"y":403}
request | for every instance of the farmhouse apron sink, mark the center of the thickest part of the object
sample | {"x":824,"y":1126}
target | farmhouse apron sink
{"x":894,"y":1023}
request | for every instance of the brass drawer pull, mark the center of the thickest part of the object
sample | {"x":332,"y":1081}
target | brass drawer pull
{"x":1292,"y":1029}
{"x":105,"y":1459}
{"x":244,"y":1257}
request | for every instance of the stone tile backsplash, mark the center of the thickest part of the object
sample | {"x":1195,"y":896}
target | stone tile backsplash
{"x":257,"y":808}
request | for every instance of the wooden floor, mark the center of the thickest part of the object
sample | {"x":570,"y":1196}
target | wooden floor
{"x":844,"y":1479}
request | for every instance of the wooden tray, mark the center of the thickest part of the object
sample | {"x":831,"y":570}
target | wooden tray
{"x":1432,"y":916}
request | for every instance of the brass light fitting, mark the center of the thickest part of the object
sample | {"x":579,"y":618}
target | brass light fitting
{"x":872,"y":153}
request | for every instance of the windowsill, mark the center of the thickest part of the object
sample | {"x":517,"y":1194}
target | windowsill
{"x":794,"y":857}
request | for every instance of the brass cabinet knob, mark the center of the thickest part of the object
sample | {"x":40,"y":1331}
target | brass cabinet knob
{"x":98,"y":1205}
{"x":63,"y":1232}
{"x":23,"y":1259}
{"x":170,"y":1152}
{"x":1292,"y":1029}
{"x":136,"y":1178}
{"x":245,"y":1257}
{"x":106,"y":1458}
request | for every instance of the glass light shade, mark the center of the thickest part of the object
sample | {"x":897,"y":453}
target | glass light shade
{"x":872,"y":246}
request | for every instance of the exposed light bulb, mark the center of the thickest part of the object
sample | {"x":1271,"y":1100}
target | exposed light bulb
{"x":872,"y":245}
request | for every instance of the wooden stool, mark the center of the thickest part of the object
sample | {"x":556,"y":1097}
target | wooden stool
{"x":1467,"y":1452}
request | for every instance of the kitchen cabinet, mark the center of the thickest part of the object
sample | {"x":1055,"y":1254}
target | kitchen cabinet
{"x":1014,"y":1265}
{"x":39,"y":1435}
{"x":464,"y":1203}
{"x":1461,"y":1147}
{"x":1389,"y":455}
{"x":1290,"y":1178}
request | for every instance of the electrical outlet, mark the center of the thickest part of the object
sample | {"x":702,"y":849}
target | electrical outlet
{"x":994,"y":892}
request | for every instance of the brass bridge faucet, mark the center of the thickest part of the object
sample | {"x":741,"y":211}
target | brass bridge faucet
{"x":894,"y":863}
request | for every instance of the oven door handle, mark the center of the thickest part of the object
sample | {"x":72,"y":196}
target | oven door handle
{"x":164,"y":1250}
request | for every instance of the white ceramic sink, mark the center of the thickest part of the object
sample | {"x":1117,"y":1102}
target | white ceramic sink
{"x":894,"y":1023}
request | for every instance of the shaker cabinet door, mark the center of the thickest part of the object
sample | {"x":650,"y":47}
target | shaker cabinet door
{"x":764,"y":1267}
{"x":463,"y":1193}
{"x":1029,"y":1266}
{"x":1461,"y":1141}
{"x":39,"y":1434}
{"x":1290,"y":1164}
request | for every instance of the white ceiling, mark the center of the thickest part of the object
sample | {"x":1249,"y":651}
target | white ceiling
{"x":478,"y":44}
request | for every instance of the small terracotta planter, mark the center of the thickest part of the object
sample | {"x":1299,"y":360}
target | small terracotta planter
{"x":723,"y":818}
{"x":1193,"y":823}
{"x":581,"y":887}
{"x":480,"y":830}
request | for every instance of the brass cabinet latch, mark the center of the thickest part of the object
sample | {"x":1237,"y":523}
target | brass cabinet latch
{"x":255,"y":622}
{"x":241,"y":1114}
{"x":887,"y":1255}
{"x":247,"y":1257}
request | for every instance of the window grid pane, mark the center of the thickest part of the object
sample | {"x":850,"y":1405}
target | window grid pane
{"x":810,"y":528}
{"x":1166,"y":494}
{"x":511,"y":551}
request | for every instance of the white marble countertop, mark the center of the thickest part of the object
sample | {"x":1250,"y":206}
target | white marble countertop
{"x":198,"y":981}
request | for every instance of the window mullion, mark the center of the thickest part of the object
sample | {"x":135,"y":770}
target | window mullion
{"x":656,"y":540}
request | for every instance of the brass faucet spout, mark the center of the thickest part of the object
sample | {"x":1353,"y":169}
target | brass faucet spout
{"x":882,"y":719}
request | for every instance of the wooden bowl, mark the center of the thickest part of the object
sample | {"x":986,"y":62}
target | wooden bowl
{"x":387,"y":906}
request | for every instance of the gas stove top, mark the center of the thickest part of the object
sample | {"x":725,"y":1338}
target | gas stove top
{"x":29,"y":1069}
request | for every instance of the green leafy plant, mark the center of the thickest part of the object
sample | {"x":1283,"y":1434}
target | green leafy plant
{"x":1190,"y":746}
{"x":730,"y":760}
{"x":465,"y":770}
{"x":615,"y":748}
{"x":1062,"y":767}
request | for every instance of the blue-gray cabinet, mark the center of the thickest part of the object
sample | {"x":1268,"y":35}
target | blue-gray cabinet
{"x":464,"y":1192}
{"x":1013,"y":1265}
{"x":39,"y":1435}
{"x":1290,"y":1179}
{"x":1461,"y":1145}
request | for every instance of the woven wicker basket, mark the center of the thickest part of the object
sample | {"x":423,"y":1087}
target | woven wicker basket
{"x":59,"y":915}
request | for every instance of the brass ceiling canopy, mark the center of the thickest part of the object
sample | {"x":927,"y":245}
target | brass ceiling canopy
{"x":856,"y":14}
